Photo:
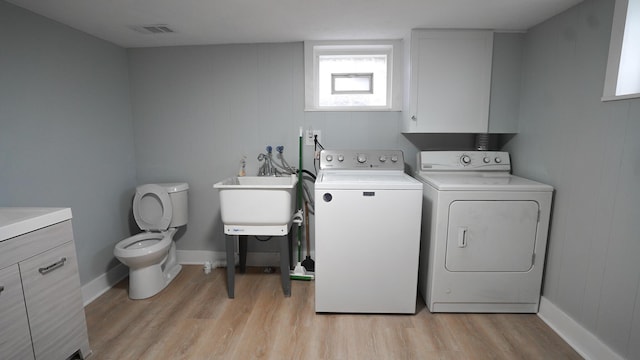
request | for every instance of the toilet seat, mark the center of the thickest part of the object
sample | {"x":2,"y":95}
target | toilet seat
{"x":163,"y":240}
{"x":162,"y":199}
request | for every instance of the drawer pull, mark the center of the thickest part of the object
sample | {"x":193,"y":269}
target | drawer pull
{"x":50,"y":268}
{"x":1,"y":289}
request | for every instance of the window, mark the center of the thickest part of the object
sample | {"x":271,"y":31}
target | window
{"x":353,"y":75}
{"x":622,"y":80}
{"x":352,"y":83}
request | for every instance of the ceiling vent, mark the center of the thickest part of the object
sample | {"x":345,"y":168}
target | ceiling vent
{"x":153,"y":29}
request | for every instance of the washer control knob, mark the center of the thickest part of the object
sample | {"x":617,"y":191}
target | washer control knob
{"x":486,"y":160}
{"x":394,"y":158}
{"x":341,"y":158}
{"x":329,"y":158}
{"x":497,"y":160}
{"x":362,"y":158}
{"x":383,"y":158}
{"x":465,"y":159}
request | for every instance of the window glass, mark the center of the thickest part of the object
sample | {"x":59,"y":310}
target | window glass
{"x":629,"y":70}
{"x":352,"y":80}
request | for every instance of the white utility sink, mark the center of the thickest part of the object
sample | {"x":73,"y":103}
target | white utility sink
{"x":257,"y":205}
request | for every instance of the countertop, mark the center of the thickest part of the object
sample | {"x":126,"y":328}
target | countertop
{"x":15,"y":221}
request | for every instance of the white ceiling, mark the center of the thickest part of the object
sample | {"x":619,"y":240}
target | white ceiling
{"x":199,"y":22}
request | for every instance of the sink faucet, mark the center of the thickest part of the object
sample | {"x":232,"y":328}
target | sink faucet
{"x":270,"y":167}
{"x":267,"y":168}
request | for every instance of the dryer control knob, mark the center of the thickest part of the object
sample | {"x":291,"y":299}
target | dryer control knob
{"x":362,"y":158}
{"x":465,"y":159}
{"x":486,"y":160}
{"x":329,"y":158}
{"x":341,"y":158}
{"x":383,"y":158}
{"x":394,"y":158}
{"x":498,"y":160}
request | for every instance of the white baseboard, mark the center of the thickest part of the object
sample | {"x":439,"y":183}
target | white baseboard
{"x":582,"y":340}
{"x":98,"y":286}
{"x":219,"y":258}
{"x":199,"y":257}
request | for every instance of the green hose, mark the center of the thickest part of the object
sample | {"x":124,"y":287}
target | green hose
{"x":299,"y":204}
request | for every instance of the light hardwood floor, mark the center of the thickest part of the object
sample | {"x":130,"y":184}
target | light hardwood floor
{"x":193,"y":319}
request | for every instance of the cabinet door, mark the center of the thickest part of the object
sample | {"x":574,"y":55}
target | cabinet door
{"x":450,"y":81}
{"x":504,"y":109}
{"x":54,"y":303}
{"x":15,"y":339}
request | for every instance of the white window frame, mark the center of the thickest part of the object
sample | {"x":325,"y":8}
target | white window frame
{"x":314,"y":49}
{"x":617,"y":47}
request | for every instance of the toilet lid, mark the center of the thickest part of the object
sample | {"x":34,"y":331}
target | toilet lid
{"x":152,"y":207}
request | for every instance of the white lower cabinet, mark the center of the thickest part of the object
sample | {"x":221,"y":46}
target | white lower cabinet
{"x":44,"y":302}
{"x":51,"y":292}
{"x":15,"y":342}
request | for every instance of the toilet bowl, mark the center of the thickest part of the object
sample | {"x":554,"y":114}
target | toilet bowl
{"x":151,"y":256}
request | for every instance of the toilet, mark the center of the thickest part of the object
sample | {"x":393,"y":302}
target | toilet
{"x":159,"y":209}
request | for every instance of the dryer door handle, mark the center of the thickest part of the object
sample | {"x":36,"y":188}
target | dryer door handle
{"x":462,"y":236}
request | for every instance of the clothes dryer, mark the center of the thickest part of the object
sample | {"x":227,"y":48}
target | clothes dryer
{"x":484,"y":233}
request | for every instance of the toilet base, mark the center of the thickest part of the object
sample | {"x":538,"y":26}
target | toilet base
{"x":147,"y":282}
{"x":172,"y":273}
{"x":144,"y":283}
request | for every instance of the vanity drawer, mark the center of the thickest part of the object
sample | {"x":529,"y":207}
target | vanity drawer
{"x":54,"y":302}
{"x":15,"y":340}
{"x":24,"y":246}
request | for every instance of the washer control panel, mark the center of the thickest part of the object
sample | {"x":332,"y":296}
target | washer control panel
{"x":464,"y":161}
{"x":362,"y":159}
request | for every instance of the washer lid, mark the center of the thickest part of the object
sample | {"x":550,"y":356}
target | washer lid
{"x":152,"y":207}
{"x":366,"y":179}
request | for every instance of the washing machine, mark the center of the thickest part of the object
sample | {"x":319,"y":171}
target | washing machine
{"x":367,"y":233}
{"x":484,"y":233}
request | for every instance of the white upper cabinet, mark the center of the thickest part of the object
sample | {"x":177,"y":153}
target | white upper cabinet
{"x":449,"y":83}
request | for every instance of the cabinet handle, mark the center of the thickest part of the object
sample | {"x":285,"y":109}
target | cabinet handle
{"x":1,"y":289}
{"x":50,"y":268}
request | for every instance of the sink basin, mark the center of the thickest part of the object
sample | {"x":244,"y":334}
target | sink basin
{"x":257,"y":205}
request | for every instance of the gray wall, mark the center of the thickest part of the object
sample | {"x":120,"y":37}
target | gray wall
{"x":590,"y":152}
{"x":199,"y":109}
{"x":66,"y":137}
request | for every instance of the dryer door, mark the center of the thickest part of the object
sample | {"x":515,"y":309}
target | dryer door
{"x":491,"y":235}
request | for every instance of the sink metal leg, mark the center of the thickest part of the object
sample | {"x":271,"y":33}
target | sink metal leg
{"x":285,"y":259}
{"x":284,"y":265}
{"x":242,"y":248}
{"x":231,"y":265}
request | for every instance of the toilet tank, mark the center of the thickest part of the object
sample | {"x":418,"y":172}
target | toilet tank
{"x":178,"y":194}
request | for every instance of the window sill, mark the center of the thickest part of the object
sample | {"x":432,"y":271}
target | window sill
{"x":350,"y":108}
{"x":619,"y":97}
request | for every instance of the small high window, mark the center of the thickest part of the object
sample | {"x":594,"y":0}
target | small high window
{"x":622,"y":79}
{"x":352,"y":75}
